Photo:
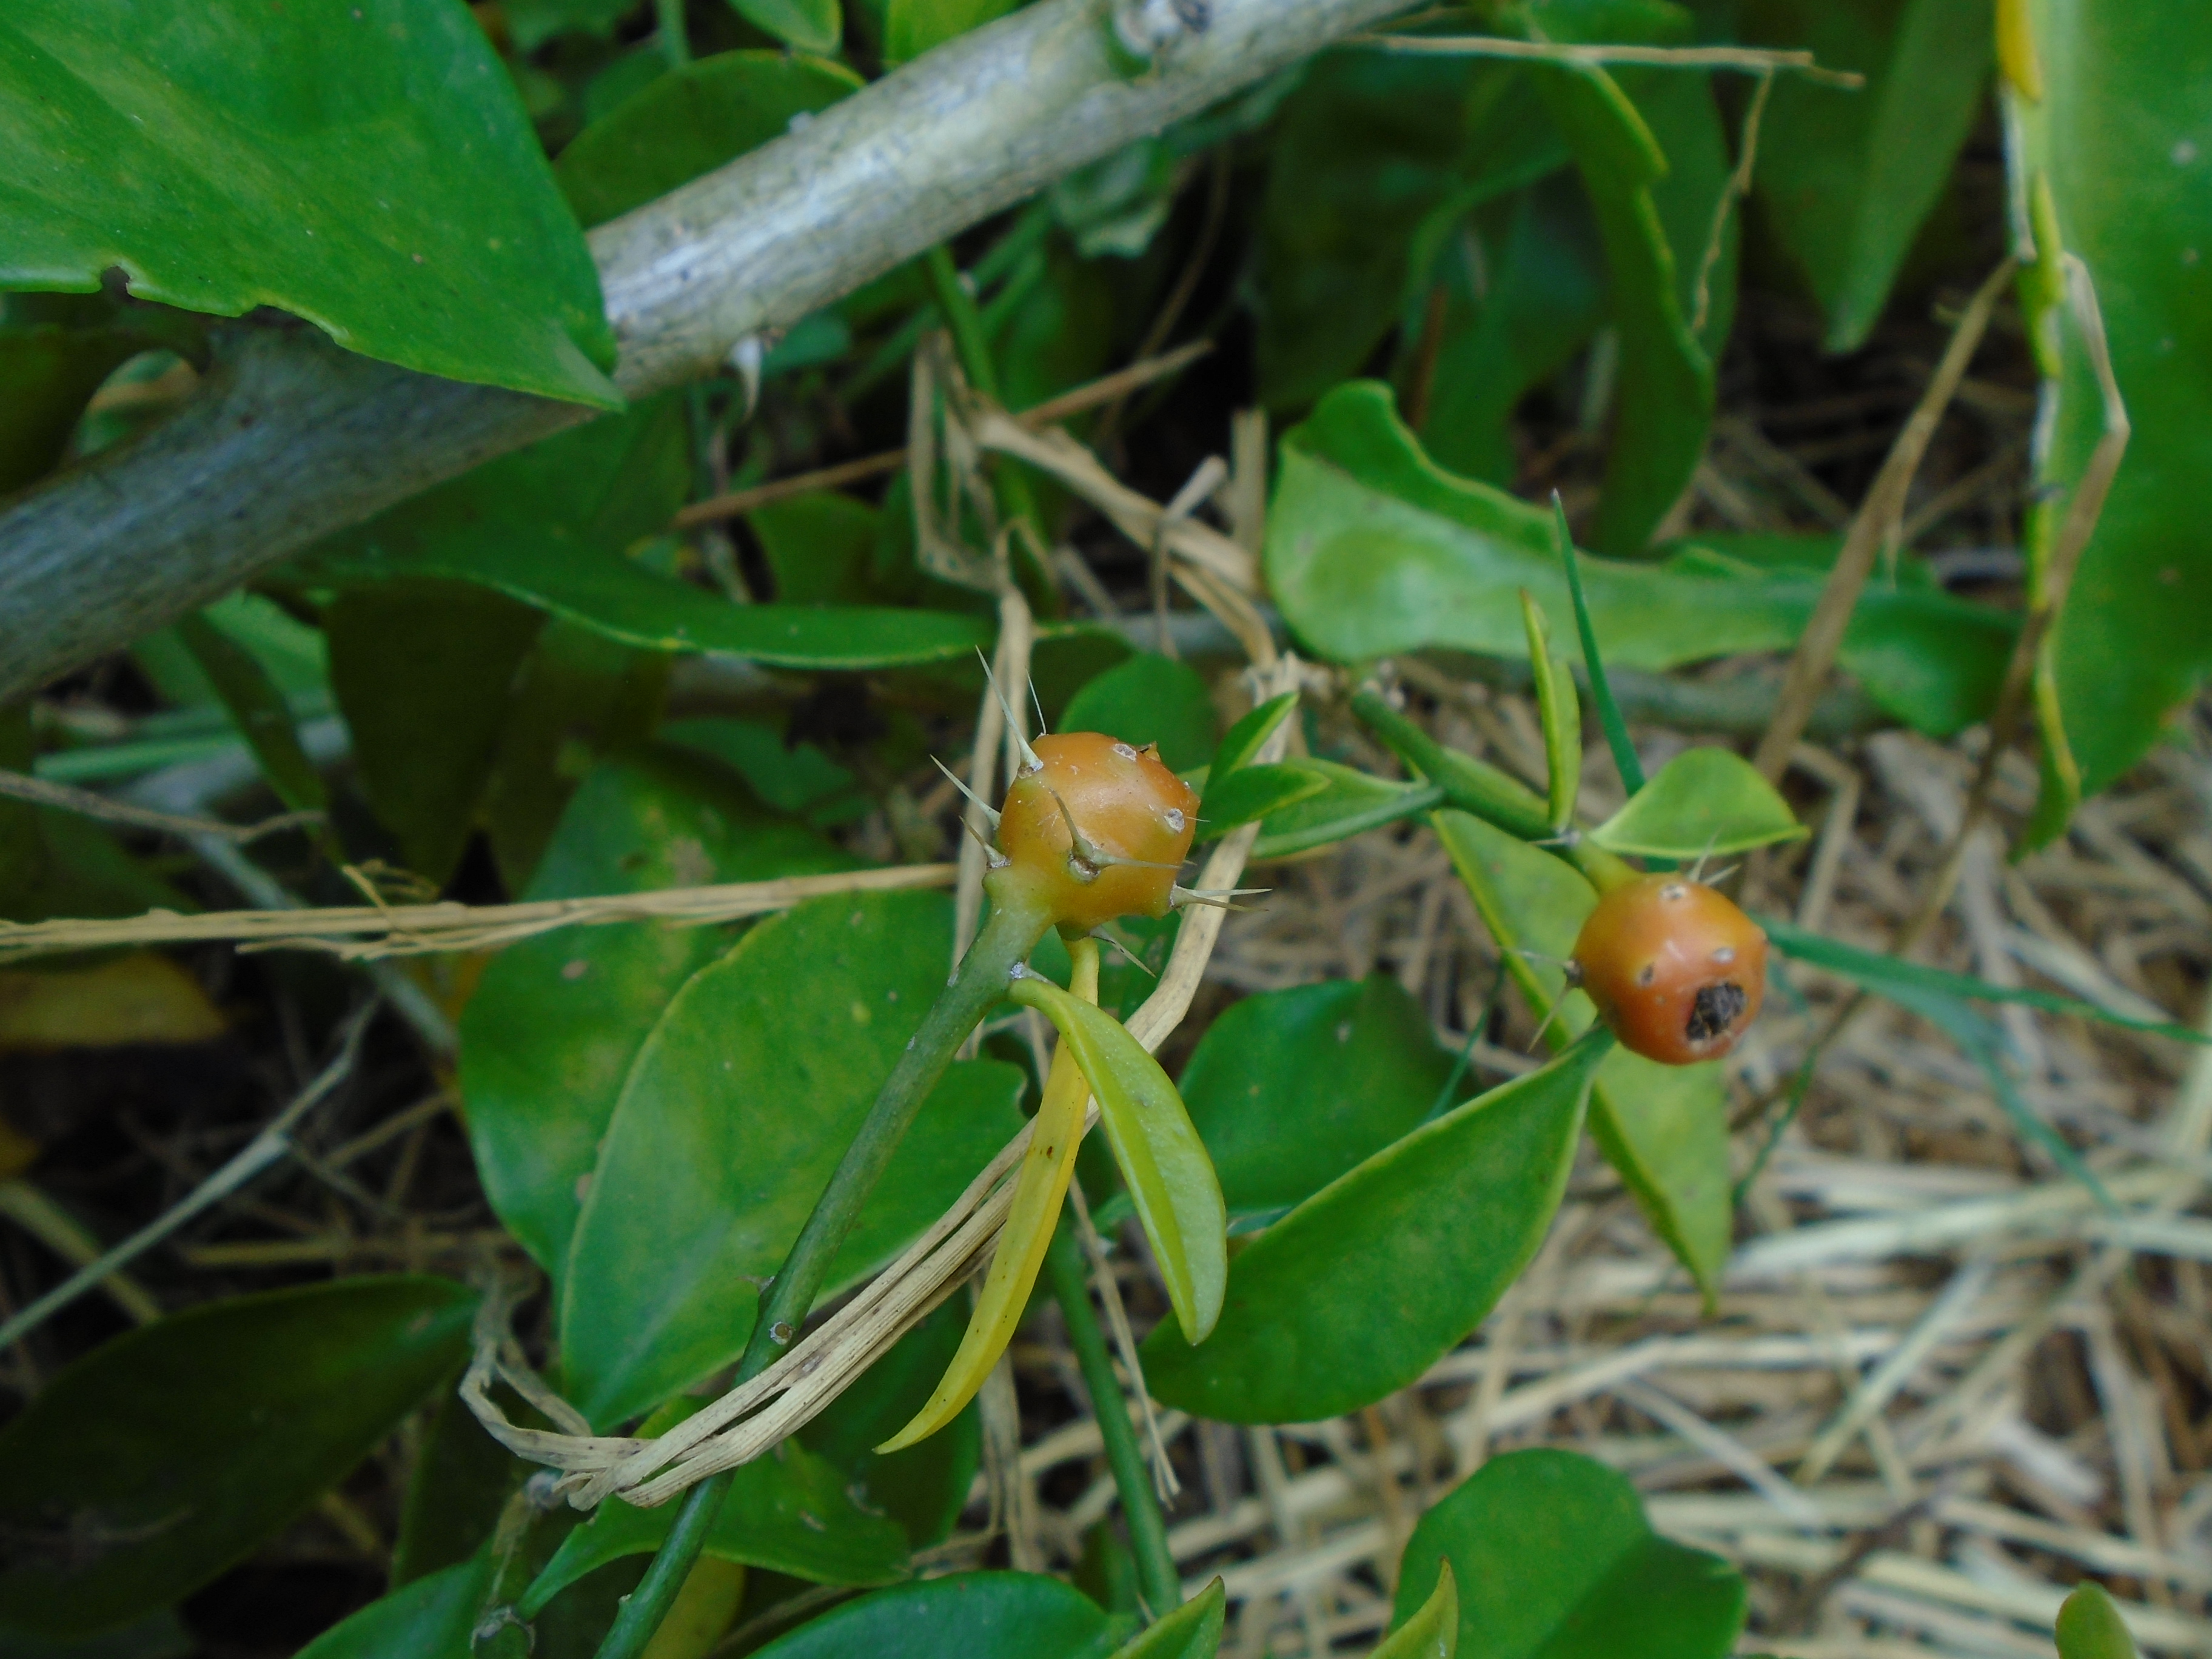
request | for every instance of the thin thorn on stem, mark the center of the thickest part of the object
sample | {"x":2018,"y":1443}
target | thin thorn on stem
{"x":974,"y":799}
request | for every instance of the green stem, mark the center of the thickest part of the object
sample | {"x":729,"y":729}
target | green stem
{"x":972,"y":342}
{"x":1472,"y":787}
{"x":1008,"y":936}
{"x":674,"y":36}
{"x":1148,"y":1529}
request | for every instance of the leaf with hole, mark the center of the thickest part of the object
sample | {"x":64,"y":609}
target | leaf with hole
{"x":1373,"y":550}
{"x":1429,"y":1231}
{"x":1553,"y":1559}
{"x":368,"y":168}
{"x":727,"y":1127}
{"x":179,"y":1448}
{"x":1663,"y":1127}
{"x":1290,"y":1088}
{"x":1161,"y":1157}
{"x":1705,"y":803}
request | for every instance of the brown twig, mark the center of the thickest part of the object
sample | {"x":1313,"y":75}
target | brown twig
{"x":67,"y":798}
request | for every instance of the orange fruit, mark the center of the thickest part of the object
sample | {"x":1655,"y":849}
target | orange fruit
{"x":1133,"y":824}
{"x":1674,"y":968}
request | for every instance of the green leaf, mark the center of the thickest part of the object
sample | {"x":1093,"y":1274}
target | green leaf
{"x":914,"y":26}
{"x":1433,"y":1632}
{"x":967,"y":1615}
{"x":1663,"y":1127}
{"x":2120,"y":135}
{"x":1558,"y":712}
{"x":808,"y":25}
{"x":1241,"y":745}
{"x":1705,"y":803}
{"x":1373,"y":550}
{"x":1371,"y":150}
{"x":1148,"y":699}
{"x":1512,"y":323}
{"x":182,"y":1445}
{"x":461,"y":1481}
{"x":1655,"y":163}
{"x":48,"y":372}
{"x":1608,"y":712}
{"x":1349,"y":802}
{"x":1363,"y":1287}
{"x":422,"y":673}
{"x":1255,"y":792}
{"x":1162,"y":1159}
{"x":2090,"y":1626}
{"x":1553,"y":1559}
{"x":820,"y":548}
{"x":728,"y":1126}
{"x":1847,"y":177}
{"x":258,"y":708}
{"x":557,"y":1021}
{"x":432,"y":1618}
{"x":924,"y":1487}
{"x":368,"y":168}
{"x":158,"y":1636}
{"x":788,"y":1511}
{"x":1893,"y":977}
{"x":698,"y":116}
{"x":533,"y":22}
{"x":1290,"y":1088}
{"x":1192,"y":1631}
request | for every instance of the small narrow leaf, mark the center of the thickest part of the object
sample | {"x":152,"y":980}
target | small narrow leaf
{"x":1244,"y":740}
{"x":1253,"y":793}
{"x":1559,"y":712}
{"x":1432,"y":1633}
{"x":1192,"y":1631}
{"x":1170,"y":1178}
{"x":1705,"y":803}
{"x":1608,"y":711}
{"x":2090,"y":1626}
{"x":1350,"y":802}
{"x":258,"y":708}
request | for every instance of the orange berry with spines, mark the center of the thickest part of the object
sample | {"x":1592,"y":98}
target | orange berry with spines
{"x":1099,"y":829}
{"x":1675,"y":967}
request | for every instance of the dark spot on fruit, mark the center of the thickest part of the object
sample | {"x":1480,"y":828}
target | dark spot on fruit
{"x":1647,"y":973}
{"x":1714,"y":1011}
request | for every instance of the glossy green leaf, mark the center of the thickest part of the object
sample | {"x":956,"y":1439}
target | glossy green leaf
{"x":1893,"y":977}
{"x":1655,"y":163}
{"x":1558,"y":714}
{"x":820,"y":548}
{"x":1433,"y":1632}
{"x":924,"y":1487}
{"x":422,"y":672}
{"x":728,"y":1126}
{"x":697,"y":116}
{"x":432,"y":1618}
{"x":1364,"y":1285}
{"x":368,"y":168}
{"x":461,"y":1481}
{"x":2121,"y":136}
{"x":1554,"y":1559}
{"x":1252,"y":793}
{"x":1241,"y":745}
{"x":1350,"y":802}
{"x":807,"y":25}
{"x":967,"y":1615}
{"x":788,"y":1511}
{"x":258,"y":708}
{"x":1511,"y":323}
{"x":182,"y":1445}
{"x":1373,"y":550}
{"x":1290,"y":1088}
{"x":557,"y":1021}
{"x":1148,"y":699}
{"x":1162,"y":1159}
{"x":2090,"y":1626}
{"x":913,"y":27}
{"x":1705,"y":803}
{"x":1663,"y":1127}
{"x":1192,"y":1631}
{"x":1847,"y":177}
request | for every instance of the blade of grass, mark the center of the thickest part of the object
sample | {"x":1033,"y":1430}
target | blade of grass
{"x":1608,"y":711}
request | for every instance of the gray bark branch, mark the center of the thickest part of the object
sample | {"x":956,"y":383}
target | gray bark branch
{"x":292,"y":439}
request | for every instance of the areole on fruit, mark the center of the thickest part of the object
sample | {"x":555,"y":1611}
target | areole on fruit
{"x":1096,"y":829}
{"x":1675,"y":968}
